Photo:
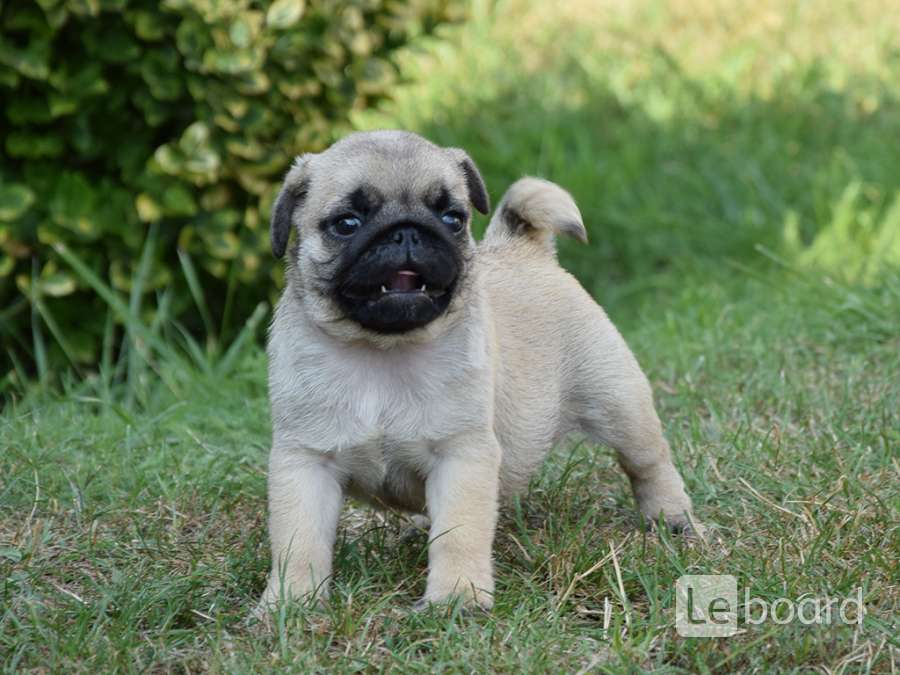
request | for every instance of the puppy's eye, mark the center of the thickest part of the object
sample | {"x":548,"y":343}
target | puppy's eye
{"x":454,"y":220}
{"x":346,"y":226}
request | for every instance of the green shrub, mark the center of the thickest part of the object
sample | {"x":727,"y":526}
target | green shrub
{"x":186,"y":113}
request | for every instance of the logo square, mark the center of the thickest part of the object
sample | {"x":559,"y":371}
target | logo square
{"x":706,"y":605}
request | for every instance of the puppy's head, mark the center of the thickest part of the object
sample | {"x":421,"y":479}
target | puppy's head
{"x":383,"y":241}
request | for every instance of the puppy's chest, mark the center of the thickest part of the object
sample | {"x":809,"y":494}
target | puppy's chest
{"x":350,"y":402}
{"x":388,"y":471}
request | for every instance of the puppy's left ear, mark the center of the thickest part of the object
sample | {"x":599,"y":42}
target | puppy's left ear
{"x":292,"y":194}
{"x":478,"y":194}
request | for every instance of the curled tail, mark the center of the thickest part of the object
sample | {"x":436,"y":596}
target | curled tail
{"x":534,"y":209}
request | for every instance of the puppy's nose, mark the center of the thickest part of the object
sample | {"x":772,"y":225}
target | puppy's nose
{"x":406,"y":236}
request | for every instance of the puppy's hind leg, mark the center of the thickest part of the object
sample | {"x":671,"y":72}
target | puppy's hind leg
{"x":621,"y":415}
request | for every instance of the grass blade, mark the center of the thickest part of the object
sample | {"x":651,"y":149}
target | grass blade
{"x":37,"y":337}
{"x":138,"y":284}
{"x":190,"y":274}
{"x":57,"y":333}
{"x":115,"y":303}
{"x":107,"y":375}
{"x":246,"y":334}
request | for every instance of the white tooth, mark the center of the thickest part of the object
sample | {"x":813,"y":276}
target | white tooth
{"x":423,"y":288}
{"x":383,"y":289}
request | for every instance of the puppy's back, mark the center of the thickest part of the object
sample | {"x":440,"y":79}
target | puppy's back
{"x":554,"y":343}
{"x":542,"y":319}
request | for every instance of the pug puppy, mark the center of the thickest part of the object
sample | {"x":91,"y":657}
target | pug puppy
{"x":412,"y":367}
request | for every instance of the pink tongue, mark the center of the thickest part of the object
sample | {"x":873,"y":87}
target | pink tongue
{"x":404,"y":280}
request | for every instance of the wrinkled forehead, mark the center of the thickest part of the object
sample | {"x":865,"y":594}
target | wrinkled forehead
{"x":403,"y":173}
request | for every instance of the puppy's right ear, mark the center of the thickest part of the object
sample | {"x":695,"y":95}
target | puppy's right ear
{"x":292,"y":193}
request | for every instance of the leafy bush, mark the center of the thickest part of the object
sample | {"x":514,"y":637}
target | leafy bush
{"x":118,"y":114}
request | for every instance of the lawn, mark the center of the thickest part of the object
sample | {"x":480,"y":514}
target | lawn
{"x":737,"y":170}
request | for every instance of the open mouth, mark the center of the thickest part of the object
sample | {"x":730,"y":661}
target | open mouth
{"x":403,"y":282}
{"x":407,"y":281}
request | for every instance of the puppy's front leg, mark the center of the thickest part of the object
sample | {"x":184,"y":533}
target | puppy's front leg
{"x":461,"y":491}
{"x":305,"y":498}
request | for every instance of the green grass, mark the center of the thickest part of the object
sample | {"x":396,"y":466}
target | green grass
{"x":738,"y":175}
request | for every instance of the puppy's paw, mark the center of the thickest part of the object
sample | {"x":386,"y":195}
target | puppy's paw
{"x":687,"y":526}
{"x":665,"y":503}
{"x":682,"y":524}
{"x":468,"y":594}
{"x":260,"y":617}
{"x":261,"y":614}
{"x":275,"y":595}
